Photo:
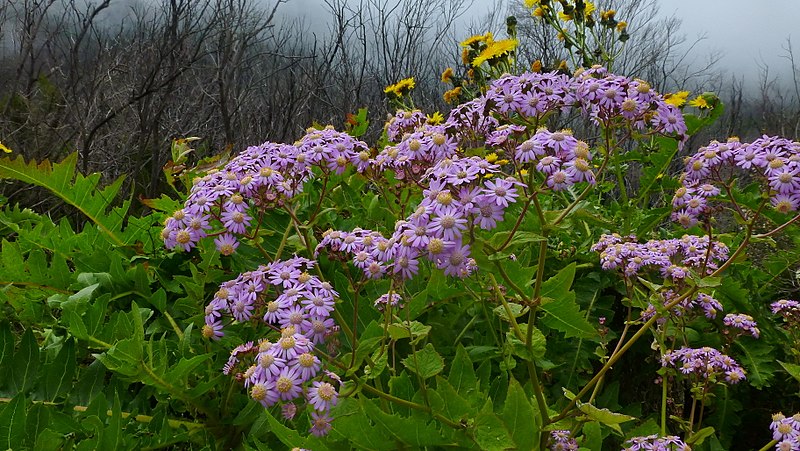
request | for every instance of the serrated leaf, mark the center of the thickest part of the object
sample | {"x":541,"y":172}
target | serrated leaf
{"x":73,"y":188}
{"x":758,"y":360}
{"x":490,"y":433}
{"x":415,"y":431}
{"x":352,"y":424}
{"x":559,"y":284}
{"x":520,"y":418}
{"x":414,"y":330}
{"x":564,"y":315}
{"x":452,"y":404}
{"x":426,"y":362}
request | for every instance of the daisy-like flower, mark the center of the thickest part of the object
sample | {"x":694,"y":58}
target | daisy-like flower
{"x":322,"y":396}
{"x":502,"y":192}
{"x":320,"y":423}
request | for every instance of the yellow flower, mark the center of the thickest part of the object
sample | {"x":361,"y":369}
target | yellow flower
{"x":502,"y":162}
{"x":4,"y":148}
{"x":491,"y":158}
{"x":606,"y":15}
{"x":700,"y":102}
{"x":622,"y":25}
{"x":678,"y":99}
{"x":477,"y":39}
{"x":447,"y":75}
{"x":531,"y":3}
{"x":452,"y":95}
{"x":400,"y":88}
{"x":495,"y":49}
{"x":435,"y":118}
{"x":539,"y":12}
{"x":590,"y":8}
{"x":536,"y":66}
{"x":564,"y":17}
{"x":523,"y":172}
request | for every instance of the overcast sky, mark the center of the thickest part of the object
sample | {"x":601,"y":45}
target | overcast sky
{"x":746,"y":32}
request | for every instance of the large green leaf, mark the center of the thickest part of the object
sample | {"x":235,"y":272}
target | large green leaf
{"x":76,"y":190}
{"x":59,"y":373}
{"x":25,"y":364}
{"x":415,"y":431}
{"x":520,"y":418}
{"x":462,"y":374}
{"x":759,"y":362}
{"x":426,"y":362}
{"x":12,"y":423}
{"x":564,"y":315}
{"x":490,"y":431}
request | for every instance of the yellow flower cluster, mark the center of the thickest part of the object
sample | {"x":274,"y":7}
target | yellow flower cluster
{"x":677,"y":99}
{"x":400,"y":88}
{"x":495,"y":49}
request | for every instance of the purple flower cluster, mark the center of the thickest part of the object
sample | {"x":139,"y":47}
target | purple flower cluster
{"x":558,"y":156}
{"x":403,"y":122}
{"x":745,"y":324}
{"x":561,"y":440}
{"x":394,"y":300}
{"x":656,"y":443}
{"x":788,"y":309}
{"x":285,"y":296}
{"x":786,"y":431}
{"x":704,"y":363}
{"x":417,"y":151}
{"x":458,"y":197}
{"x":606,"y":98}
{"x":773,"y":160}
{"x":285,"y":371}
{"x":674,"y":257}
{"x":702,"y":301}
{"x":222,"y":203}
{"x":282,"y":294}
{"x":530,"y":95}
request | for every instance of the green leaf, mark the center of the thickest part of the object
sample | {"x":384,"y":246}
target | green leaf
{"x":757,"y":358}
{"x":564,"y":315}
{"x":462,"y":373}
{"x":112,"y":433}
{"x":352,"y":424}
{"x":414,"y":330}
{"x":59,"y":373}
{"x":452,"y":404}
{"x":517,"y":310}
{"x":559,"y":284}
{"x":426,"y":362}
{"x":792,"y":369}
{"x":592,"y":436}
{"x":520,"y":418}
{"x":700,"y":436}
{"x":6,"y":351}
{"x":490,"y":433}
{"x":73,"y":188}
{"x":605,"y":416}
{"x":12,"y":423}
{"x":26,"y":363}
{"x":415,"y":431}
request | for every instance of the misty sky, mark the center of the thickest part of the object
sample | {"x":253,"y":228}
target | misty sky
{"x":746,"y":32}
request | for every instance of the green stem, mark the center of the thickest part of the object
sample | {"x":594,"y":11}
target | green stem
{"x":533,"y":374}
{"x":768,"y":446}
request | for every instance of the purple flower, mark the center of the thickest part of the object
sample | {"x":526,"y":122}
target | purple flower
{"x":288,"y":384}
{"x":487,"y":213}
{"x":320,"y":423}
{"x":322,"y":396}
{"x":501,"y":191}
